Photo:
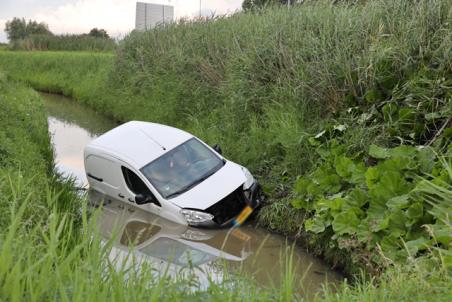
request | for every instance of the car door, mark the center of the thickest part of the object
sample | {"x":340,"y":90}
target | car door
{"x":134,"y":185}
{"x":103,"y":174}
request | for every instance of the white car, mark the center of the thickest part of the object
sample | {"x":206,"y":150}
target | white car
{"x":171,"y":173}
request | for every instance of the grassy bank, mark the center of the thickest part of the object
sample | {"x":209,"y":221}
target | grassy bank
{"x":49,"y":249}
{"x":289,"y":93}
{"x":41,"y":237}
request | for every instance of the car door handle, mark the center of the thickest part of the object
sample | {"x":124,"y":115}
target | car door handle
{"x":94,"y":177}
{"x":120,"y":195}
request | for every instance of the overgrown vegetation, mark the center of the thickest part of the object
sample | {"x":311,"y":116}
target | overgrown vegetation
{"x":64,"y":43}
{"x":34,"y":36}
{"x":48,"y":233}
{"x":288,"y":93}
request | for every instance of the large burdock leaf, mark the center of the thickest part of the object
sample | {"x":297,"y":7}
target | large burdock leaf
{"x":414,"y":213}
{"x":441,"y":233}
{"x":357,"y":198}
{"x":346,"y":222}
{"x":417,"y":245}
{"x":378,"y":152}
{"x":301,"y":186}
{"x":299,"y":203}
{"x":403,"y":151}
{"x":391,"y":184}
{"x":372,"y":176}
{"x":391,"y":247}
{"x":398,"y":202}
{"x":315,"y":225}
{"x":397,"y":222}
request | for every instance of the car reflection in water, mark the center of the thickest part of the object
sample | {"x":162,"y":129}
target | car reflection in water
{"x":170,"y":248}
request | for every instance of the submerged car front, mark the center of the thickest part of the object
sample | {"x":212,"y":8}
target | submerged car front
{"x":209,"y":190}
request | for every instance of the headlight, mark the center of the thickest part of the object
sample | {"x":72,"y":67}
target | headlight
{"x":195,"y":217}
{"x":249,"y":179}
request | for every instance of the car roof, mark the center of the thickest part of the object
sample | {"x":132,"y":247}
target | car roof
{"x":139,"y":143}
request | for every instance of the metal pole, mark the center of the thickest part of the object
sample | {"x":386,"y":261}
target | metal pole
{"x":200,"y":8}
{"x":288,"y":3}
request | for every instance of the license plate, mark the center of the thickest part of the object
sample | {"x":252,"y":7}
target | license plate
{"x":246,"y":212}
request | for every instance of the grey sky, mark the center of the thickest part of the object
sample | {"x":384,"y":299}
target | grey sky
{"x":116,"y":16}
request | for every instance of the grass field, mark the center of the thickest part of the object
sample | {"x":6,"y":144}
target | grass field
{"x":299,"y":96}
{"x":64,"y":43}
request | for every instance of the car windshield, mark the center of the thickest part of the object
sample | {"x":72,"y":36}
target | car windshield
{"x":182,"y":168}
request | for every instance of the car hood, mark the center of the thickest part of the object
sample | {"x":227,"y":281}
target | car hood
{"x":213,"y":189}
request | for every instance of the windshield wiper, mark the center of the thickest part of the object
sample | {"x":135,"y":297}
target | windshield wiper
{"x":186,"y":188}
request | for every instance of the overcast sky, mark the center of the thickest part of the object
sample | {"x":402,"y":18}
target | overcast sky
{"x":115,"y":16}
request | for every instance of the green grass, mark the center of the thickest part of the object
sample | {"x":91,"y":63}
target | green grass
{"x":261,"y":84}
{"x":49,"y":246}
{"x":63,"y":43}
{"x":264,"y":84}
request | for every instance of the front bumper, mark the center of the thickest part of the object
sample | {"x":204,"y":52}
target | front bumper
{"x":253,"y":197}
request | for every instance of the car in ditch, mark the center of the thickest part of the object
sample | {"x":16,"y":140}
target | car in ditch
{"x":171,"y":173}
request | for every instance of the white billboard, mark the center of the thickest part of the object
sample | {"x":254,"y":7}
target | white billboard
{"x":148,"y":15}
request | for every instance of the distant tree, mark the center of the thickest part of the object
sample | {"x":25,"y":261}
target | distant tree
{"x":35,"y":28}
{"x":99,"y":33}
{"x":18,"y":28}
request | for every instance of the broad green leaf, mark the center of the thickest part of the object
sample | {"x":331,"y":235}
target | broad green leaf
{"x":391,"y":184}
{"x":337,"y":204}
{"x":372,"y":176}
{"x":377,"y":219}
{"x":301,"y":186}
{"x":315,"y":225}
{"x":357,"y":198}
{"x":344,"y":167}
{"x":378,"y":152}
{"x":403,"y":151}
{"x":398,"y":164}
{"x":313,"y":190}
{"x":397,"y":221}
{"x":364,"y":234}
{"x":391,"y":247}
{"x":415,"y":211}
{"x":346,"y":223}
{"x":358,"y":175}
{"x":398,"y":202}
{"x":299,"y":203}
{"x":441,"y":233}
{"x":419,"y":244}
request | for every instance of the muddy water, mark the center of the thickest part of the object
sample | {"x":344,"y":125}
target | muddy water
{"x":166,"y":245}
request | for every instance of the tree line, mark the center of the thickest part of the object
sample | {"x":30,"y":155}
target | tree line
{"x":20,"y":29}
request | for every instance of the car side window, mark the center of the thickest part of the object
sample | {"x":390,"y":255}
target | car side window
{"x":134,"y":183}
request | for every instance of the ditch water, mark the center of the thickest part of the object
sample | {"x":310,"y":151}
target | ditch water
{"x":170,"y":247}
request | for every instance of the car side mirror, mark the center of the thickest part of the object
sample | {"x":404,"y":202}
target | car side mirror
{"x":142,"y":199}
{"x":217,"y":148}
